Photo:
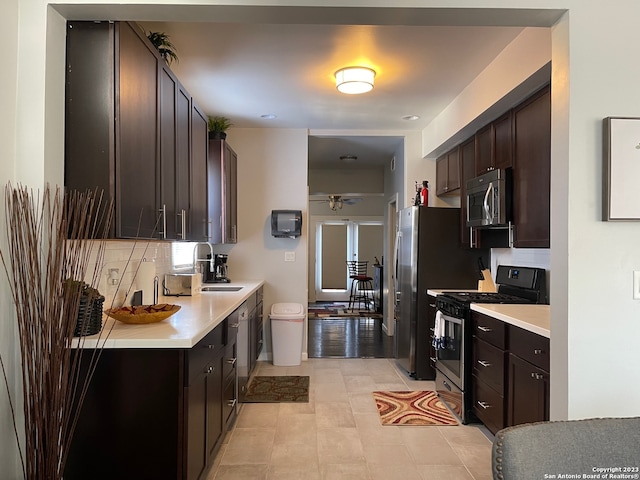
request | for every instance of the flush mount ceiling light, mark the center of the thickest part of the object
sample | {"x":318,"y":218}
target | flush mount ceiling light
{"x":354,"y":80}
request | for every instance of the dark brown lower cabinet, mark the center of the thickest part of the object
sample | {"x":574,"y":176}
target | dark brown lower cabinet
{"x":528,"y":392}
{"x":488,"y":405}
{"x":510,"y":381}
{"x":156,"y":413}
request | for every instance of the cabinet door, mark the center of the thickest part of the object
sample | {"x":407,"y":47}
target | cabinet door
{"x":453,"y":170}
{"x":528,"y":392}
{"x":196,"y":407}
{"x":448,"y":172}
{"x":229,"y":376}
{"x":137,"y":211}
{"x":502,"y":144}
{"x":483,"y":150}
{"x":442,"y":170}
{"x":214,"y":405}
{"x":230,"y":195}
{"x":168,"y":99}
{"x":183,"y":163}
{"x":532,"y":171}
{"x":222,"y":191}
{"x":198,"y":216}
{"x":90,"y":108}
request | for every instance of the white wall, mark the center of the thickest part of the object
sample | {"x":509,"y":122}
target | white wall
{"x":272,"y":175}
{"x":8,"y":350}
{"x":593,"y":77}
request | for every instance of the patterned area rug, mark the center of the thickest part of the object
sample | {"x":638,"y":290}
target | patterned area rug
{"x":412,"y":408}
{"x":270,"y":389}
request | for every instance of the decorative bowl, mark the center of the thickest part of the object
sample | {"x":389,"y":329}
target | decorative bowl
{"x":143,"y":313}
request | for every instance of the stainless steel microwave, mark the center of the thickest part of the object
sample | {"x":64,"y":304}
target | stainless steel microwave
{"x":489,"y":199}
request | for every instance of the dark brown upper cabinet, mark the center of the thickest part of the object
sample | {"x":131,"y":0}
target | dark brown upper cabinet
{"x":494,"y":147}
{"x":532,"y":171}
{"x":448,"y":173}
{"x":128,"y":130}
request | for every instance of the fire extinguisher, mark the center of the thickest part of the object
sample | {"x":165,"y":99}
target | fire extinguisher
{"x":424,"y":194}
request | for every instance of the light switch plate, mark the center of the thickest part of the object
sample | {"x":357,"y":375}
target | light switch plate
{"x":636,"y":284}
{"x":289,"y":256}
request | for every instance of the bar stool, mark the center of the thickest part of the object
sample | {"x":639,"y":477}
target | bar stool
{"x":361,"y":284}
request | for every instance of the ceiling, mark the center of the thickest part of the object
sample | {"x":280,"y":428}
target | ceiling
{"x":247,"y":61}
{"x":244,"y":71}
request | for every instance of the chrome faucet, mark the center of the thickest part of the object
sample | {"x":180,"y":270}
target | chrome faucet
{"x":196,"y":260}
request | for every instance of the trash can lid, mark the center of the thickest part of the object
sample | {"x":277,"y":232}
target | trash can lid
{"x":287,"y":309}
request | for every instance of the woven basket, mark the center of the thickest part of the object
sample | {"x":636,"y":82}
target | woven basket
{"x":89,"y":316}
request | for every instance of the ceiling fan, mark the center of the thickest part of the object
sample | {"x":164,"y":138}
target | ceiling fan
{"x":336,"y":202}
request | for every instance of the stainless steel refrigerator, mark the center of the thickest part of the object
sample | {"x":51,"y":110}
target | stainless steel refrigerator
{"x":428,"y":255}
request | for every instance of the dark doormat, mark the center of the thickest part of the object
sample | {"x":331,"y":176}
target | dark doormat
{"x":286,"y":388}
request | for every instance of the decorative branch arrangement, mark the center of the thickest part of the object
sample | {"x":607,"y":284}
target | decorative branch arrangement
{"x":51,"y":248}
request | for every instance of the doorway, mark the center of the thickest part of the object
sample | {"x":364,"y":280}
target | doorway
{"x":339,"y":240}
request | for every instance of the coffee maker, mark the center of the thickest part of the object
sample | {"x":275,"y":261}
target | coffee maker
{"x":220,"y":268}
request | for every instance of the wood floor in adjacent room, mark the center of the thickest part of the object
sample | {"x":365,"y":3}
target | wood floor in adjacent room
{"x":357,"y":336}
{"x":348,"y":337}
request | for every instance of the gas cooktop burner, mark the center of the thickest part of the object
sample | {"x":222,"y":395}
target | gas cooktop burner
{"x":486,"y":297}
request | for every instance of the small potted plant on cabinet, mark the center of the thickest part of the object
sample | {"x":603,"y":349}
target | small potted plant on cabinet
{"x":218,"y":127}
{"x":161,"y":41}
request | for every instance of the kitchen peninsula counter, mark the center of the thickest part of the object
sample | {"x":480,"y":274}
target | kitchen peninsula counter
{"x":531,"y":317}
{"x":198,"y":315}
{"x":534,"y":318}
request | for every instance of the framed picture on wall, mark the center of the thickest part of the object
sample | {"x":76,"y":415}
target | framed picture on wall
{"x":621,"y":169}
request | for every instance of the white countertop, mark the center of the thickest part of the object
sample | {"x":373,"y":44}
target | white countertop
{"x":534,"y":318}
{"x":197,"y":316}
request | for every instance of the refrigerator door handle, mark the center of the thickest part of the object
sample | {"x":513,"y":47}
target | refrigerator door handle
{"x":395,"y":264}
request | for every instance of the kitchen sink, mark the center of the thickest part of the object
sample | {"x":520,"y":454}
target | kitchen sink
{"x":221,"y":288}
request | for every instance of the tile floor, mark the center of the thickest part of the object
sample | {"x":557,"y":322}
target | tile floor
{"x":337,"y":435}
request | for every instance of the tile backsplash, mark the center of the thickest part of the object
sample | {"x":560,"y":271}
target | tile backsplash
{"x":121,"y":263}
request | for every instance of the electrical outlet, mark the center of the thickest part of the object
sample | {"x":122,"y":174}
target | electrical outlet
{"x":289,"y":256}
{"x":114,"y":276}
{"x":636,"y":284}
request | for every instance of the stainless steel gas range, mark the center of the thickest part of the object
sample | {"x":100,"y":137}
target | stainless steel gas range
{"x":452,"y":333}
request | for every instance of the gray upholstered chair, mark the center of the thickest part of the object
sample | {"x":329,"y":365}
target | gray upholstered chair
{"x":529,"y":451}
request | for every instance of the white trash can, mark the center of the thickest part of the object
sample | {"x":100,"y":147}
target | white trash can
{"x":287,"y":330}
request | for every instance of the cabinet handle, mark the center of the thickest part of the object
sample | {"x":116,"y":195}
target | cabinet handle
{"x":183,"y":224}
{"x":473,"y":242}
{"x":484,"y":329}
{"x":232,"y":403}
{"x":231,"y":361}
{"x":483,"y":405}
{"x":234,"y":325}
{"x":208,"y":225}
{"x":433,"y":359}
{"x":163,"y":212}
{"x":537,"y":376}
{"x":211,"y":346}
{"x":209,"y":369}
{"x":537,"y":351}
{"x":484,"y":363}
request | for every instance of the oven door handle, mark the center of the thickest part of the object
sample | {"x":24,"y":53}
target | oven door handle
{"x":447,"y":318}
